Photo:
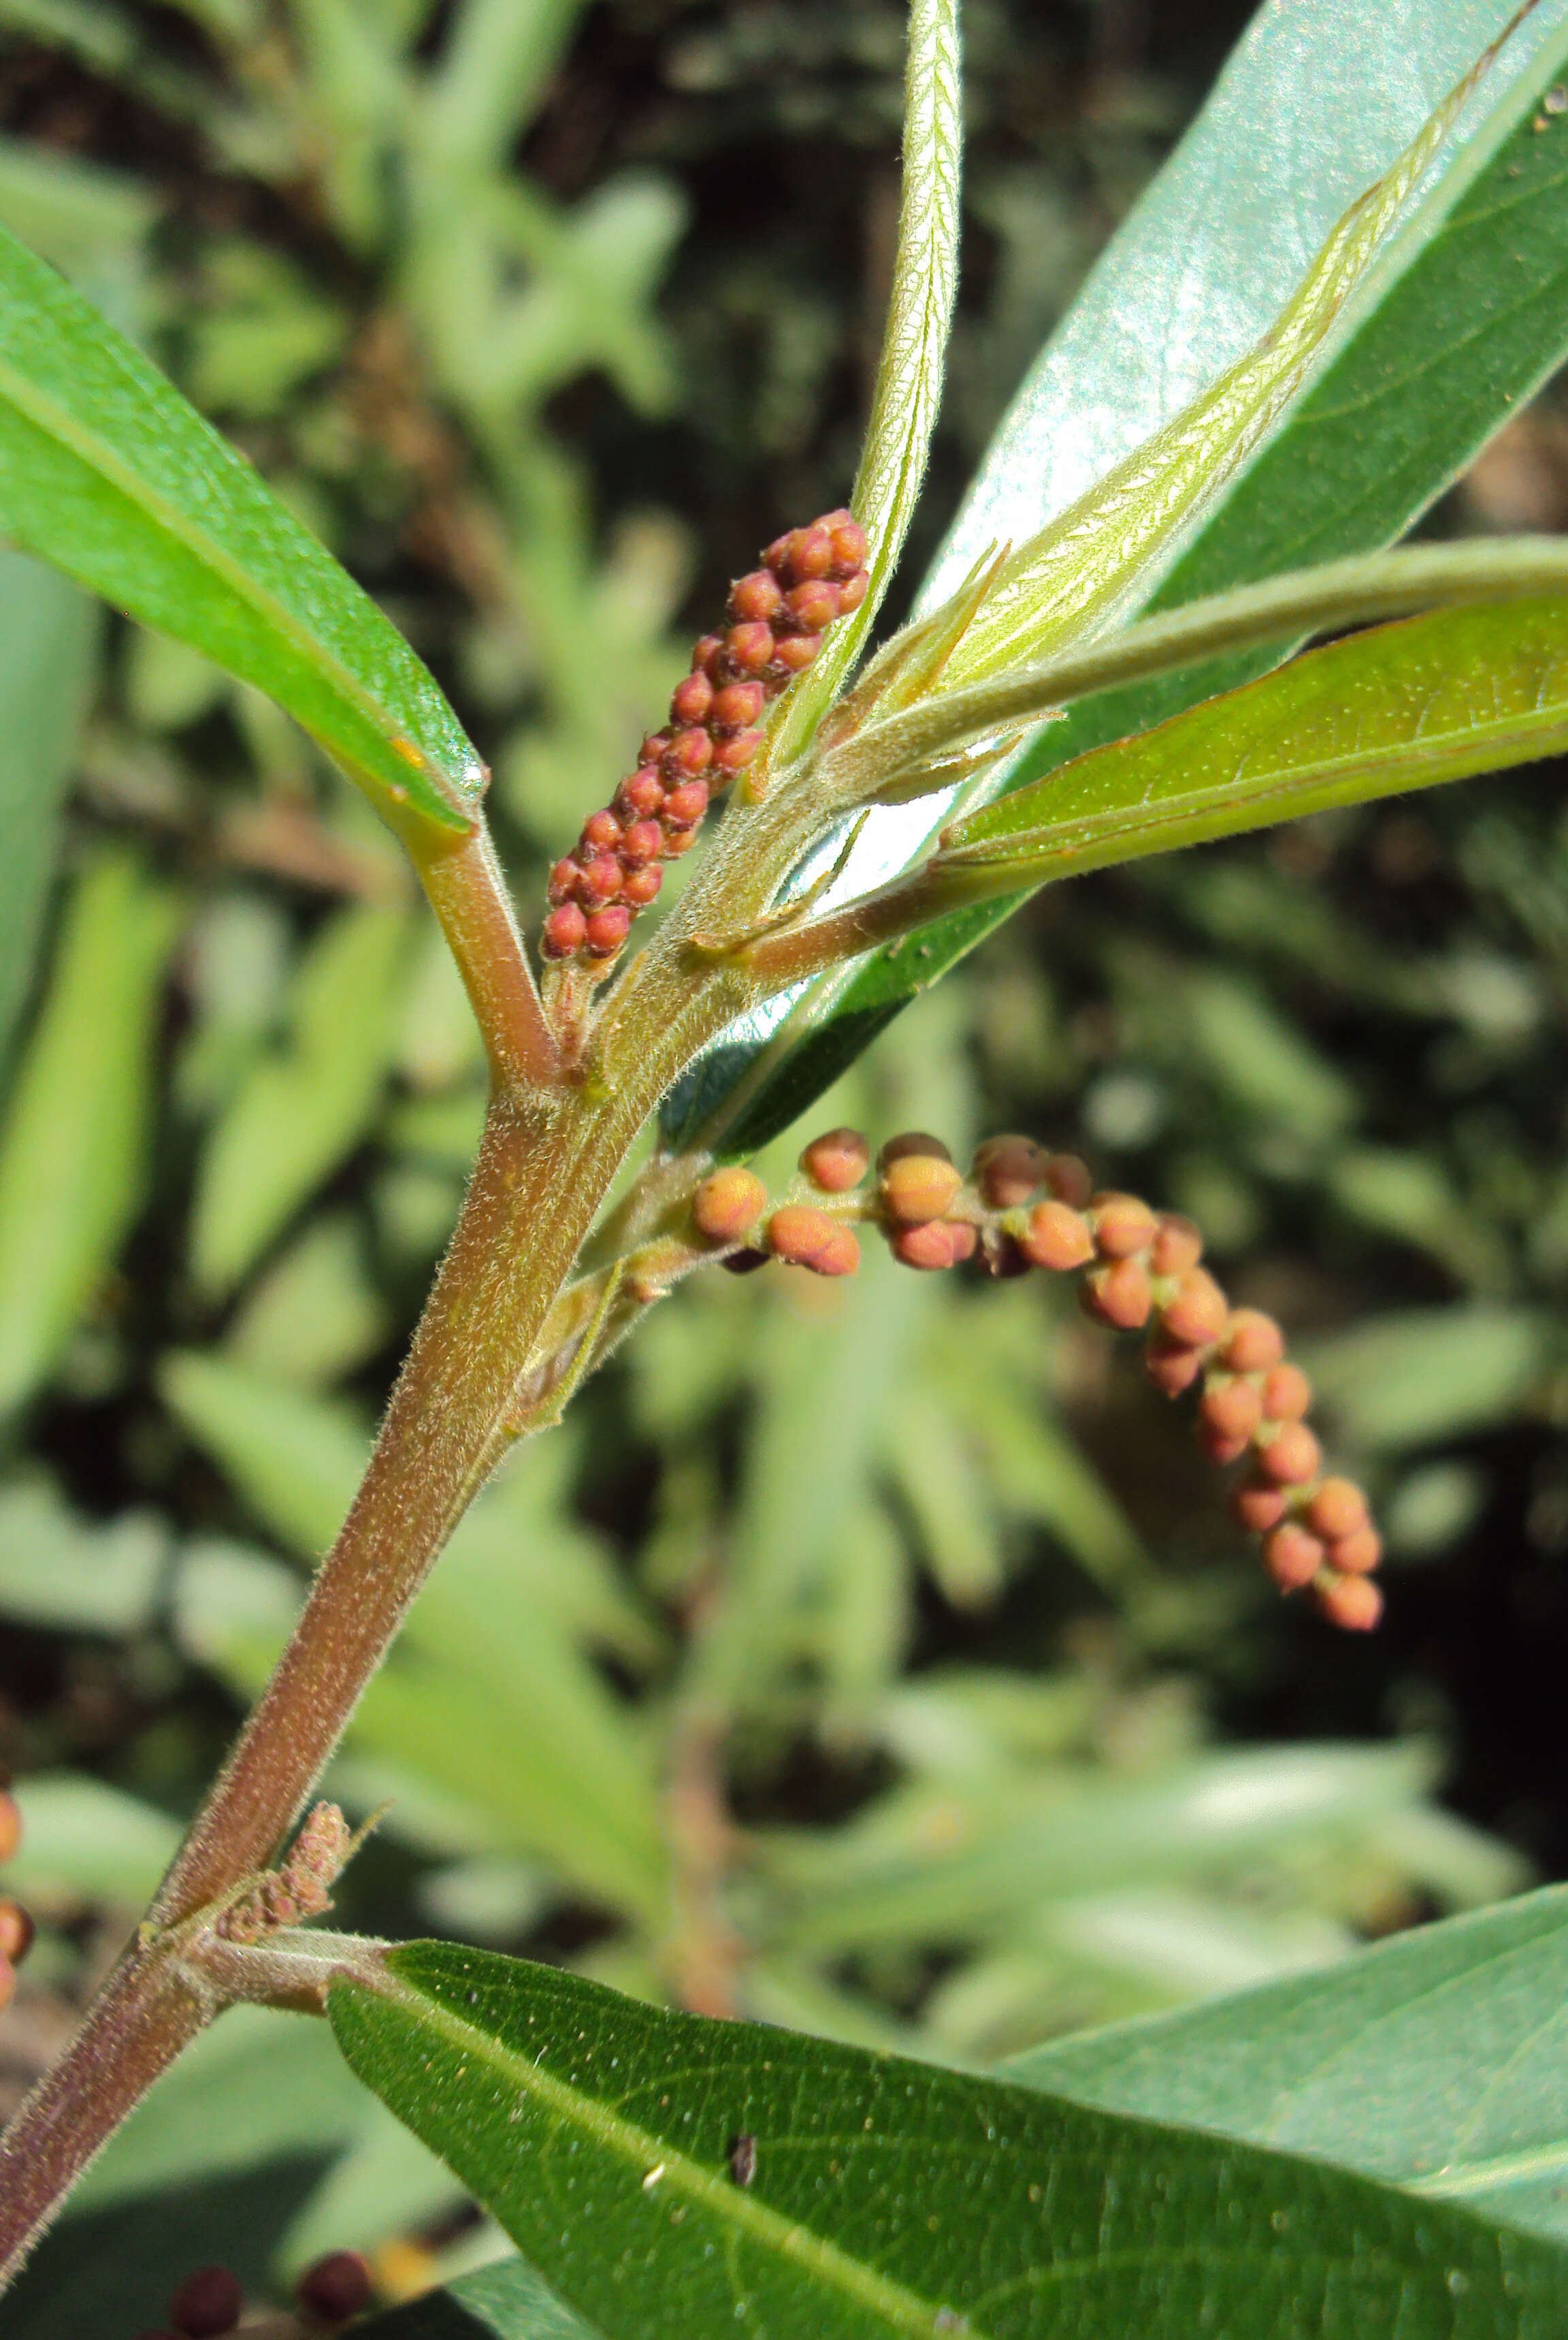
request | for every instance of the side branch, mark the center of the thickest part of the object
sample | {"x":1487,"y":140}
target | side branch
{"x":469,"y":894}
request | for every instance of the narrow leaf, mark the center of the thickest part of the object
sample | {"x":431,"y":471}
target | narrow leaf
{"x":506,"y":2301}
{"x":672,"y":2177}
{"x":1401,"y":706}
{"x":73,"y":1153}
{"x":107,"y":472}
{"x":914,"y":344}
{"x":1470,"y":315}
{"x":1435,"y":2061}
{"x":48,"y":646}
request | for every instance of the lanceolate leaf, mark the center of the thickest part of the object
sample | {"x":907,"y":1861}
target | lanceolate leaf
{"x":915,"y":340}
{"x":676,"y":2178}
{"x":1469,"y":314}
{"x":106,"y":472}
{"x":1435,"y":2060}
{"x":1401,"y":706}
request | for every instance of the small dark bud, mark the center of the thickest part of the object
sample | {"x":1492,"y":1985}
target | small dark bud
{"x":1008,"y":1171}
{"x":207,"y":2304}
{"x":335,"y":2288}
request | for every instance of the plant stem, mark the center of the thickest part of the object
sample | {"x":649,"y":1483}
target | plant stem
{"x":469,"y":894}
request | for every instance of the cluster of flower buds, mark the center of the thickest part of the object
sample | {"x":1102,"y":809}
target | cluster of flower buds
{"x":1021,"y":1208}
{"x":776,"y":619}
{"x":15,"y":1925}
{"x":299,"y":1888}
{"x":210,"y":2302}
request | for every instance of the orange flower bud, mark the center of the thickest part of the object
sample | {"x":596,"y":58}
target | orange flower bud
{"x":837,"y":1160}
{"x":642,"y":886}
{"x":1338,"y":1509}
{"x":1176,"y":1248}
{"x":1123,"y":1225}
{"x":1172,"y":1365}
{"x":606,"y":930}
{"x":1292,"y":1556}
{"x":756,"y":599}
{"x":1009,"y":1170}
{"x":17,"y":1931}
{"x":10,"y":1826}
{"x":691,"y":699}
{"x":1253,"y":1341}
{"x":792,"y":654}
{"x":935,"y":1243}
{"x":565,"y":931}
{"x":1352,"y":1602}
{"x":1287,"y":1393}
{"x":916,"y":1188}
{"x":1056,"y":1238}
{"x":1356,"y":1554}
{"x":809,"y":1238}
{"x":1119,"y":1294}
{"x":1258,"y":1508}
{"x":1199,"y":1313}
{"x":1291,"y":1456}
{"x":728,"y":1203}
{"x":1232,"y":1410}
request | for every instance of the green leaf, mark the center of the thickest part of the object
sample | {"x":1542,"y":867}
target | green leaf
{"x":48,"y":649}
{"x":58,"y":1571}
{"x":84,"y":1841}
{"x":73,"y":1155}
{"x":1465,"y":317}
{"x":308,"y":1104}
{"x":1397,"y":708}
{"x":106,"y":472}
{"x":886,"y":2197}
{"x":909,"y":371}
{"x":1435,"y":2061}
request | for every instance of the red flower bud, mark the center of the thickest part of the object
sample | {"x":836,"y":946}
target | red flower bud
{"x":600,"y":880}
{"x":755,"y":598}
{"x":565,"y":879}
{"x":812,"y":607}
{"x":642,"y":796}
{"x":335,"y":2288}
{"x":738,"y":705}
{"x":848,"y":540}
{"x":1358,"y":1553}
{"x":18,"y":1931}
{"x":852,"y":591}
{"x":689,"y":753}
{"x":736,"y":753}
{"x":207,"y":2303}
{"x":601,"y":833}
{"x":793,"y":653}
{"x":607,"y":930}
{"x":707,"y":656}
{"x":691,"y":699}
{"x":677,"y":841}
{"x":565,"y":931}
{"x":747,"y":649}
{"x":685,"y":806}
{"x":643,"y":841}
{"x":1171,"y":1365}
{"x":641,"y":886}
{"x":1232,"y":1410}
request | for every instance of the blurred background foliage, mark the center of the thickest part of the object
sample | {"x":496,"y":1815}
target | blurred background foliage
{"x":876,"y":1658}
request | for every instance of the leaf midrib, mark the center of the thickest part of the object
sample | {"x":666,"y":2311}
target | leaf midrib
{"x":800,"y":2246}
{"x":99,"y":457}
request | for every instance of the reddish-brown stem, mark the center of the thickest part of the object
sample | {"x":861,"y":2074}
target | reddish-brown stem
{"x":469,"y":894}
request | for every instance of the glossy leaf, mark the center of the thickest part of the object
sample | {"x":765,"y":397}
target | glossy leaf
{"x":506,"y":2301}
{"x":108,"y":473}
{"x":1397,"y":708}
{"x":603,"y":2135}
{"x":1436,"y":2060}
{"x":1465,"y":318}
{"x":72,"y":1154}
